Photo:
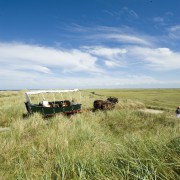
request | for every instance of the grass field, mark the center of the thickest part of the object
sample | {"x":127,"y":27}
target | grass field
{"x":124,"y":143}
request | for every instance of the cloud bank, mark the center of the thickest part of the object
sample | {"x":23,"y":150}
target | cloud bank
{"x":134,"y":61}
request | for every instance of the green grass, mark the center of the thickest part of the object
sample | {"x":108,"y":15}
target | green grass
{"x":156,"y":98}
{"x":124,"y":143}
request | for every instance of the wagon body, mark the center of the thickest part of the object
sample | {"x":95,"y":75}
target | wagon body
{"x":55,"y":107}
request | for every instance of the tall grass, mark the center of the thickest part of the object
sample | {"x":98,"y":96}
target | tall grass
{"x":124,"y":143}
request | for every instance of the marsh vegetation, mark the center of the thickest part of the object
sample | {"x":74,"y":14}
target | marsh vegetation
{"x":124,"y":143}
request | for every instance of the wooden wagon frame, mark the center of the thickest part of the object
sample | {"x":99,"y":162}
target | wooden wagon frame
{"x":51,"y":108}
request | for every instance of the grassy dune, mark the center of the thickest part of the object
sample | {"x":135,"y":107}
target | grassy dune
{"x":124,"y":143}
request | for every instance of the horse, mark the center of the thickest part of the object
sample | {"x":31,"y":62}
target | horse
{"x":105,"y":105}
{"x":113,"y":100}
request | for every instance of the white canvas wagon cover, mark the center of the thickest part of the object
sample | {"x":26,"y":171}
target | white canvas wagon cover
{"x":47,"y":91}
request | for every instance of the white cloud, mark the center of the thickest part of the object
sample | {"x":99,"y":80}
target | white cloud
{"x":111,"y":63}
{"x":158,"y":59}
{"x":111,"y":13}
{"x":130,"y":12}
{"x":106,"y":52}
{"x":174,"y":32}
{"x":127,"y":38}
{"x":121,"y":35}
{"x":124,"y":12}
{"x":161,"y":59}
{"x":112,"y":57}
{"x":42,"y":59}
{"x":31,"y":67}
{"x":123,"y":38}
{"x":34,"y":66}
{"x":26,"y":80}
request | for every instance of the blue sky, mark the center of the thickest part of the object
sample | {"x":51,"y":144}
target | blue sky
{"x":58,"y":44}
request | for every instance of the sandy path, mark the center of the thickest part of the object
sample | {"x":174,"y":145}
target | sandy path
{"x":2,"y":129}
{"x":154,"y":111}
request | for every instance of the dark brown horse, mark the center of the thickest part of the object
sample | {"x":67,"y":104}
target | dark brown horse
{"x":105,"y":105}
{"x":113,"y":100}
